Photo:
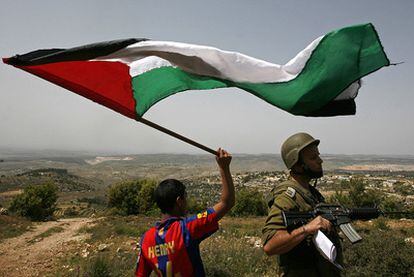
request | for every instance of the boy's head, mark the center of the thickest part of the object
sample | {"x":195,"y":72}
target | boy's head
{"x":170,"y":197}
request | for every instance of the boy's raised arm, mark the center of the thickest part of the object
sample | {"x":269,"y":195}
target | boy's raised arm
{"x":227,"y":188}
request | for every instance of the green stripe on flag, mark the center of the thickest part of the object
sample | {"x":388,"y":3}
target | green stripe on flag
{"x":153,"y":86}
{"x":341,"y":58}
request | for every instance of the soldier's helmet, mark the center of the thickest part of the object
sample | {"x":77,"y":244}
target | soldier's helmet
{"x":293,"y":145}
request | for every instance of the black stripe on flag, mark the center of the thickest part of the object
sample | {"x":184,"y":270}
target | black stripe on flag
{"x":336,"y":108}
{"x":80,"y":53}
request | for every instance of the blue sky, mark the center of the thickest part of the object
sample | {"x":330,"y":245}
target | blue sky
{"x":35,"y":114}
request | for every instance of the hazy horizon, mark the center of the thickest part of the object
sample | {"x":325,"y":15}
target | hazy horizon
{"x":85,"y":152}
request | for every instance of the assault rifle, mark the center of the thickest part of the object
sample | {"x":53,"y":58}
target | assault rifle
{"x":337,"y":215}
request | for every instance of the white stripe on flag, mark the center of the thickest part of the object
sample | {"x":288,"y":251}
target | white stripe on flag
{"x":227,"y":65}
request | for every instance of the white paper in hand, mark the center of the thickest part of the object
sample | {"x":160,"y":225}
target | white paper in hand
{"x":325,"y":246}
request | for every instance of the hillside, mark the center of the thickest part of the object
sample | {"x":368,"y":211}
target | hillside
{"x":72,"y":246}
{"x":65,"y":181}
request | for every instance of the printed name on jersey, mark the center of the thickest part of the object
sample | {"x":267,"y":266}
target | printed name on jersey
{"x":161,"y":249}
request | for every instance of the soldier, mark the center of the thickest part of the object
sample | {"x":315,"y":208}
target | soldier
{"x":297,"y":255}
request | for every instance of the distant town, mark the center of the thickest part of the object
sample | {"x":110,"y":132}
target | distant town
{"x":398,"y":185}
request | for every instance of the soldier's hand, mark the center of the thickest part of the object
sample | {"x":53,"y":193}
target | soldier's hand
{"x":318,"y":223}
{"x":223,"y":158}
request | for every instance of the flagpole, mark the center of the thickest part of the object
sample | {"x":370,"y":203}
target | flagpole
{"x":178,"y":136}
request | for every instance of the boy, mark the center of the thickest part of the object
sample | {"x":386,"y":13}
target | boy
{"x":171,"y":247}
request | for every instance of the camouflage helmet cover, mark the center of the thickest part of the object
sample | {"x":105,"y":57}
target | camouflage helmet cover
{"x":293,"y":145}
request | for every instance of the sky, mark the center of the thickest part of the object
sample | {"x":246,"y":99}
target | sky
{"x":38,"y":115}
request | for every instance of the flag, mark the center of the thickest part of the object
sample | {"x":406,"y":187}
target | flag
{"x":131,"y":75}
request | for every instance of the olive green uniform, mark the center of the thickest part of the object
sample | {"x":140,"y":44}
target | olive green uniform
{"x":304,"y":259}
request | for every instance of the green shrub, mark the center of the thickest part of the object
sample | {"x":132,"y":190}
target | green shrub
{"x":340,"y":197}
{"x":127,"y":230}
{"x":393,"y":204}
{"x":249,"y":202}
{"x":36,"y":202}
{"x":118,"y":226}
{"x":231,"y":251}
{"x":358,"y":195}
{"x":97,"y":200}
{"x":124,"y":197}
{"x":361,"y":197}
{"x":132,"y":197}
{"x":381,"y":224}
{"x":381,"y":253}
{"x":99,"y":267}
{"x":195,"y":206}
{"x":403,"y":189}
{"x":146,"y":196}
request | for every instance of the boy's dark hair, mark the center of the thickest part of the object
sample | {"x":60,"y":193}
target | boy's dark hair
{"x":166,"y":194}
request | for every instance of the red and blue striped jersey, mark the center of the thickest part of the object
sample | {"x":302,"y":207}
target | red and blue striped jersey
{"x":171,"y":247}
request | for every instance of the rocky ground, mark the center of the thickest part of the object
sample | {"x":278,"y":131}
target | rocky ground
{"x":31,"y":254}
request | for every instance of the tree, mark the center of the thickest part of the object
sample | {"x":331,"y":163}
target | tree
{"x":132,"y":197}
{"x":195,"y":205}
{"x":362,"y":197}
{"x":146,"y":196}
{"x":358,"y":195}
{"x":36,"y":202}
{"x":124,"y":197}
{"x":249,"y":202}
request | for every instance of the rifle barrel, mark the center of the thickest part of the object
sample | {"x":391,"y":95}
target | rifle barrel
{"x":364,"y":213}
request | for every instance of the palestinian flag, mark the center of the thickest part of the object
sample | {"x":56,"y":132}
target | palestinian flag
{"x":131,"y":75}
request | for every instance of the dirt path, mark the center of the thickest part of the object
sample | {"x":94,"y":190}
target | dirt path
{"x":27,"y":256}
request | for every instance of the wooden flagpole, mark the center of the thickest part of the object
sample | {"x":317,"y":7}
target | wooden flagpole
{"x":178,"y":136}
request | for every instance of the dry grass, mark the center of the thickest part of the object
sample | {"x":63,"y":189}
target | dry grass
{"x":12,"y":226}
{"x":234,"y":250}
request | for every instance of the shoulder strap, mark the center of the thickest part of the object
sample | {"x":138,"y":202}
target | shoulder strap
{"x":317,"y":194}
{"x":283,"y":187}
{"x":291,"y":187}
